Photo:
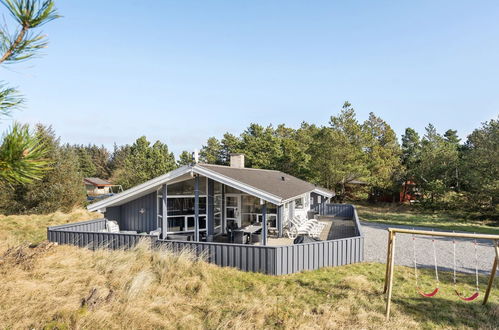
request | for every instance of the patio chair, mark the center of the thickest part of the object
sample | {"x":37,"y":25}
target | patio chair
{"x":231,"y":226}
{"x":293,"y":231}
{"x":240,"y":237}
{"x":255,"y":238}
{"x":112,"y":226}
{"x":311,"y":227}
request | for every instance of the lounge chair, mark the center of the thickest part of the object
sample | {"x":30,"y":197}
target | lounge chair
{"x":112,"y":226}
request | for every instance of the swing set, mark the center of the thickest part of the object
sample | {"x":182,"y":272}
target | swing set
{"x":390,"y":262}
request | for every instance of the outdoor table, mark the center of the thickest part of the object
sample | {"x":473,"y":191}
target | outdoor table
{"x":249,"y":230}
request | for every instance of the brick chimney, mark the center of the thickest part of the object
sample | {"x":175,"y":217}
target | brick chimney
{"x":237,"y":160}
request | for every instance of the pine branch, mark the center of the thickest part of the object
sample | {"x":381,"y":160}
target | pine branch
{"x":29,"y":14}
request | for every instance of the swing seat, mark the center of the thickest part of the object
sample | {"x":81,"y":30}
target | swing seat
{"x":470,"y":298}
{"x":428,"y":295}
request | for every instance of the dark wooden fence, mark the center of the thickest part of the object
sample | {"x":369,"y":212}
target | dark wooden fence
{"x":89,"y":234}
{"x":274,"y":260}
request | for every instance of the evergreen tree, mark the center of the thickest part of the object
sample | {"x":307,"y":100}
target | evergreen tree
{"x":292,"y":157}
{"x":337,"y":152}
{"x":383,"y":154}
{"x":143,"y":162}
{"x":229,"y":144}
{"x":211,"y":153}
{"x":411,"y":149}
{"x":86,"y":164}
{"x":61,"y":188}
{"x":437,"y":162}
{"x":260,"y":146}
{"x":481,"y":167}
{"x":23,"y":158}
{"x":185,"y":158}
{"x":101,"y":160}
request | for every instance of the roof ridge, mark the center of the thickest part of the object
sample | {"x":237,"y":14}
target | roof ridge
{"x":242,"y":168}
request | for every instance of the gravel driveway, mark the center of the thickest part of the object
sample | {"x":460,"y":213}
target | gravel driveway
{"x":376,"y":238}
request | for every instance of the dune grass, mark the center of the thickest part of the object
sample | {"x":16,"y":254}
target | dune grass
{"x":403,"y":215}
{"x":61,"y":287}
{"x":33,"y":228}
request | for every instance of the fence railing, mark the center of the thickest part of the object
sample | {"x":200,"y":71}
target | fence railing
{"x":251,"y":258}
{"x":336,"y":210}
{"x":274,"y":260}
{"x":89,"y":234}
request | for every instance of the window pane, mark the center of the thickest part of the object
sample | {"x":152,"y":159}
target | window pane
{"x":230,"y":190}
{"x":176,"y":224}
{"x":190,"y":223}
{"x":231,"y":213}
{"x":185,"y":205}
{"x":187,"y":187}
{"x":246,"y":220}
{"x":299,"y":203}
{"x":217,"y":187}
{"x":218,"y":219}
{"x":231,"y":201}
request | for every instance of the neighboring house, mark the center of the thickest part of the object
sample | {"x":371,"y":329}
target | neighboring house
{"x":97,"y":186}
{"x":218,"y":197}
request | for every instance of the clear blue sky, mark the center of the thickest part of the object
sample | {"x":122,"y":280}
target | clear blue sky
{"x":186,"y":70}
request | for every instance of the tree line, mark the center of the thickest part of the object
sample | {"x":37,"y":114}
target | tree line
{"x":448,"y":173}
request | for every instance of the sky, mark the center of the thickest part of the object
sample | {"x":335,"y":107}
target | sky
{"x":182,"y":71}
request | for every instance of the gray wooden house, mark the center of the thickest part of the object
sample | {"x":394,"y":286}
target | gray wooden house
{"x":237,"y":216}
{"x":200,"y":201}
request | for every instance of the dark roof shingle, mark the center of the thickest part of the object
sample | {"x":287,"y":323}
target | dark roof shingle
{"x":274,"y":182}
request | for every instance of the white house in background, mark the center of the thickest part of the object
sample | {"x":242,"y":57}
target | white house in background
{"x":204,"y":200}
{"x":97,"y":186}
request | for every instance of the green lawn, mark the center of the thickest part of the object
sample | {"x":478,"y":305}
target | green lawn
{"x":403,"y":215}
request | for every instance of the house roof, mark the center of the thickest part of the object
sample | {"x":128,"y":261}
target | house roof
{"x":98,"y":182}
{"x":277,"y":183}
{"x":265,"y":184}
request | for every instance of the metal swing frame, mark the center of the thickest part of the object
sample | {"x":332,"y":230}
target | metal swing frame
{"x":390,"y":258}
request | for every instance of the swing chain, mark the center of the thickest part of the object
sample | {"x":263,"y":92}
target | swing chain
{"x":476,"y":263}
{"x":435,"y":258}
{"x":415,"y":262}
{"x":476,"y":266}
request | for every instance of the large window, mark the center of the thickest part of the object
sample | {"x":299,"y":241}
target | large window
{"x":187,"y":187}
{"x":185,"y":205}
{"x":252,"y":212}
{"x":181,"y":214}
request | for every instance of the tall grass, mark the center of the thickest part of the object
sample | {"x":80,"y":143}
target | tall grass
{"x":50,"y":286}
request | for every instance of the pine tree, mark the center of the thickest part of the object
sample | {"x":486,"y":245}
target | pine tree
{"x":142,"y":162}
{"x":23,"y":159}
{"x":185,"y":158}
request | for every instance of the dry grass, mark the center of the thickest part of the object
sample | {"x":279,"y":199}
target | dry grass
{"x":68,"y":287}
{"x":33,"y":228}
